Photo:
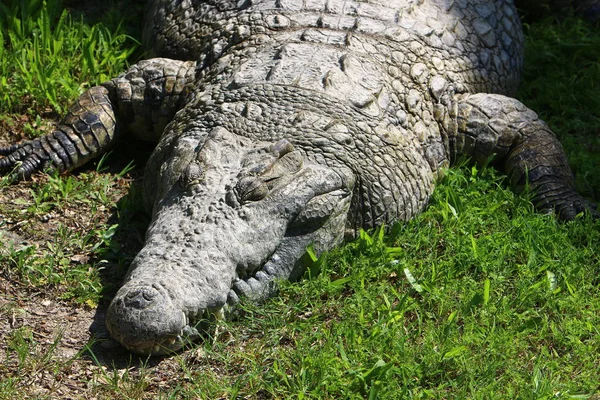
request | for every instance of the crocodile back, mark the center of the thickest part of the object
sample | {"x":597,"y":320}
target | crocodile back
{"x":477,"y":43}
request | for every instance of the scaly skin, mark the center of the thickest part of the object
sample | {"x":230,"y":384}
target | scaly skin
{"x":295,"y":123}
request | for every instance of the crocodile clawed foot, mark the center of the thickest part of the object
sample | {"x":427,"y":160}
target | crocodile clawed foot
{"x":569,"y":210}
{"x":24,"y":160}
{"x":567,"y":206}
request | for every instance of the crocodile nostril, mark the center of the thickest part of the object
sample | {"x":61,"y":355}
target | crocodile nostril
{"x":140,"y":298}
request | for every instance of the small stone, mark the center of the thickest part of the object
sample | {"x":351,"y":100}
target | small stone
{"x":109,"y":344}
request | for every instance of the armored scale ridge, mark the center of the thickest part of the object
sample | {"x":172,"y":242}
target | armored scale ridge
{"x":284,"y":123}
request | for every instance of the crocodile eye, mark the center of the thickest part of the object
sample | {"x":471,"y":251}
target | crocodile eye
{"x":251,"y":188}
{"x":282,"y":148}
{"x":191,"y":175}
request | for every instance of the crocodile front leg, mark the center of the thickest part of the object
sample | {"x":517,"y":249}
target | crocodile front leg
{"x":142,"y":100}
{"x":89,"y":129}
{"x":503,"y":130}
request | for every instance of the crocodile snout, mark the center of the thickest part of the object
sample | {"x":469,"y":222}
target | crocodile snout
{"x":146,"y":321}
{"x":141,"y":298}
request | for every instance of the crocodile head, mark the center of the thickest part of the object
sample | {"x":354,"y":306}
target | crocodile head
{"x":230,"y":217}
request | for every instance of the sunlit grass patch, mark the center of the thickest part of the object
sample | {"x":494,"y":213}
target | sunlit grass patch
{"x":47,"y":58}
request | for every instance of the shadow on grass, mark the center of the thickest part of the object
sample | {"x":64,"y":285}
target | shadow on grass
{"x":127,"y":240}
{"x":112,"y":13}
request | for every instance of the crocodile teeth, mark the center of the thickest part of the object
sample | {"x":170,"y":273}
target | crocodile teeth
{"x":220,"y":314}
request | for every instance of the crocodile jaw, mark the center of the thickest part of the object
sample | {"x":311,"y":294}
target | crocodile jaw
{"x":146,"y":321}
{"x":152,"y":319}
{"x":169,"y":295}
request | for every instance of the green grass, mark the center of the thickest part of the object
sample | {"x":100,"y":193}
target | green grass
{"x":478,"y":297}
{"x":463,"y":301}
{"x":72,"y":259}
{"x":47,"y":58}
{"x":561,"y":82}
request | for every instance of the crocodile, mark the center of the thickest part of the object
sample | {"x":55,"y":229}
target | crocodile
{"x":283,"y":124}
